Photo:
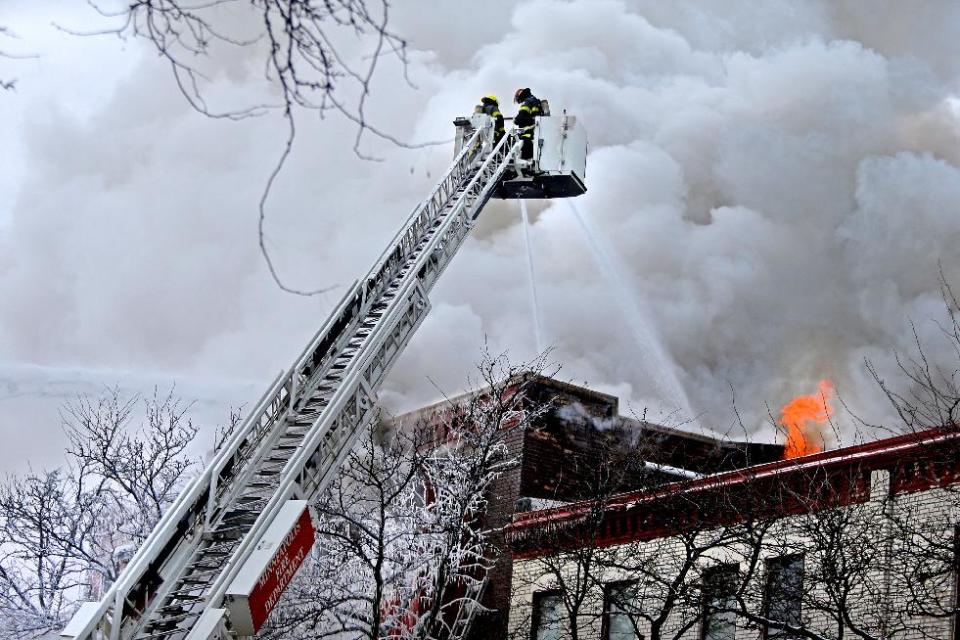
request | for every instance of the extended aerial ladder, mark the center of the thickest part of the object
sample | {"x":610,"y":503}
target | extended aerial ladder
{"x":193,"y":577}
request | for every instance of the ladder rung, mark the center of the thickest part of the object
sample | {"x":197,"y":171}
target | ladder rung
{"x":173,"y":620}
{"x":163,"y":633}
{"x":204,"y":572}
{"x":283,"y":434}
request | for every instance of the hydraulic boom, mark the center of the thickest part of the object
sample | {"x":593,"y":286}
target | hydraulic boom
{"x":181,"y":584}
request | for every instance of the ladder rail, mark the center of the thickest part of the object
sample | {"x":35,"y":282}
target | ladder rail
{"x":271,"y":414}
{"x":166,"y":527}
{"x":209,"y":495}
{"x":462,"y":161}
{"x":323,"y":349}
{"x":325,"y":327}
{"x":169,"y":523}
{"x":289,"y":486}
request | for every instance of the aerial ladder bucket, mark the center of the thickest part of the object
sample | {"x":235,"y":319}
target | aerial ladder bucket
{"x":208,"y":570}
{"x":558,"y":168}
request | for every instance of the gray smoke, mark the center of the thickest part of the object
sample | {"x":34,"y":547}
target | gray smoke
{"x":780,"y":180}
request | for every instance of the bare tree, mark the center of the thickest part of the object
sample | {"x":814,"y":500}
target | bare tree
{"x":306,"y":47}
{"x":43,"y":518}
{"x":370,"y":523}
{"x":571,"y":575}
{"x":586,"y":577}
{"x":319,"y":57}
{"x":140,"y":471}
{"x":224,"y":431}
{"x":799,"y":553}
{"x":924,"y":544}
{"x":811,"y":563}
{"x":67,"y":533}
{"x":6,"y":84}
{"x":926,"y":394}
{"x":847,"y":565}
{"x":402,"y":551}
{"x":7,"y":34}
{"x":404,"y":522}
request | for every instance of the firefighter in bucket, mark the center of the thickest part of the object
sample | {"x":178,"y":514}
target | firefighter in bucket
{"x":526,"y":120}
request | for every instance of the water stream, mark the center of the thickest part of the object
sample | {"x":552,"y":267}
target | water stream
{"x":655,"y":360}
{"x":534,"y":298}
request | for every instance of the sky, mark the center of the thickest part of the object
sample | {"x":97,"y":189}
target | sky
{"x":774,"y":187}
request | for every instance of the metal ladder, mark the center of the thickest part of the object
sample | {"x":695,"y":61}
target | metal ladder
{"x":303,"y":428}
{"x":469,"y":610}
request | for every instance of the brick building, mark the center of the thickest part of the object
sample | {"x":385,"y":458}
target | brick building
{"x":559,"y":458}
{"x":860,"y":541}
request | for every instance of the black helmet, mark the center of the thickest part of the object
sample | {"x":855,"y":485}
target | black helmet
{"x":521,"y":95}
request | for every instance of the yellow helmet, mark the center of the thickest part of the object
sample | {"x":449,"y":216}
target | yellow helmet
{"x":492,"y":98}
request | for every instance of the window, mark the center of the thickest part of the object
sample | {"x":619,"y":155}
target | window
{"x":548,"y":616}
{"x":719,"y":597}
{"x":783,"y":594}
{"x":620,"y":611}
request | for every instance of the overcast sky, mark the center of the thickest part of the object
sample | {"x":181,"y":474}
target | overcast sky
{"x":777,"y":182}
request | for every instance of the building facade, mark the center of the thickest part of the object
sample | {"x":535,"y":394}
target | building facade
{"x":579,"y":445}
{"x":855,"y":542}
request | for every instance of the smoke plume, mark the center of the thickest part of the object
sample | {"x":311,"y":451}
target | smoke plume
{"x":779,"y":181}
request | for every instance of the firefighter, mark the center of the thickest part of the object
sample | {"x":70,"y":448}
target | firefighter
{"x":491,"y":106}
{"x":526,"y":119}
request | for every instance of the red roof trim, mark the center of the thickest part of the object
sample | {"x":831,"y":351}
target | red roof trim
{"x":875,"y":455}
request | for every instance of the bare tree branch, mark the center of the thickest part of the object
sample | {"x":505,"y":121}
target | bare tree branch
{"x":404,"y":519}
{"x":10,"y":84}
{"x":304,"y":44}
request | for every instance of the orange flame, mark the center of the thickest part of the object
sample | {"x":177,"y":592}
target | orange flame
{"x":802,"y":417}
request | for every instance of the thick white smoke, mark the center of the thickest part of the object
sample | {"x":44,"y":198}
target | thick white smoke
{"x":781,"y":180}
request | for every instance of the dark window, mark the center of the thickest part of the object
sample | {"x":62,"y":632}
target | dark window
{"x":620,"y":611}
{"x":719,"y":600}
{"x":783,"y":594}
{"x":548,"y":616}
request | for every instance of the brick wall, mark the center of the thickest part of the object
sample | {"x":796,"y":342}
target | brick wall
{"x":559,"y":459}
{"x":877,"y":596}
{"x":500,"y":507}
